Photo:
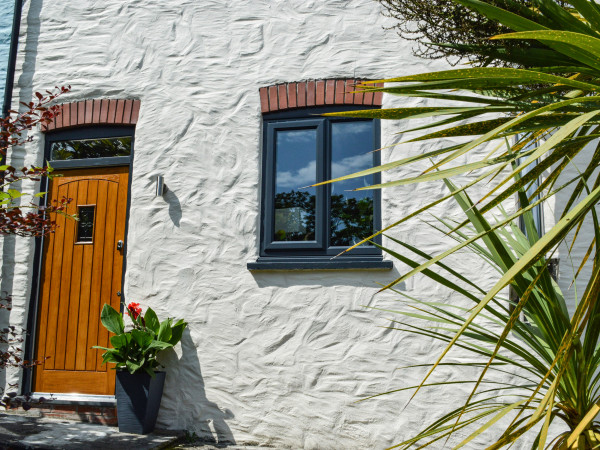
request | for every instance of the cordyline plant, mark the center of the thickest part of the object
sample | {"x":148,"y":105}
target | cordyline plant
{"x":135,"y":349}
{"x":545,"y":116}
{"x":29,"y":220}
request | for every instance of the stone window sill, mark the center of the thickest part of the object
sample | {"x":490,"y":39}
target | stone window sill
{"x":266,"y":263}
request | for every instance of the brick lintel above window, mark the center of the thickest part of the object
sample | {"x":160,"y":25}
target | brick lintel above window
{"x":113,"y":112}
{"x":311,"y":93}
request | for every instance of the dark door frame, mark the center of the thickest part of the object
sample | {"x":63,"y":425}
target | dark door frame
{"x":91,"y":132}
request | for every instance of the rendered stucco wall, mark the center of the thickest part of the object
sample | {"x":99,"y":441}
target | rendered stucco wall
{"x":270,"y":357}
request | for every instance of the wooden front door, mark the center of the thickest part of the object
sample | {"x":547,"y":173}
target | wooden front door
{"x":82,"y":269}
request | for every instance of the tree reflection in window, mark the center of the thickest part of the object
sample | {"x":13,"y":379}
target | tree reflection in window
{"x":90,"y":148}
{"x":351,"y":220}
{"x":295,"y":156}
{"x":351,"y":216}
{"x":294,"y":216}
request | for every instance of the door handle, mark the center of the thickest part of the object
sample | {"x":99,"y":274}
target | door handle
{"x":119,"y":245}
{"x":119,"y":294}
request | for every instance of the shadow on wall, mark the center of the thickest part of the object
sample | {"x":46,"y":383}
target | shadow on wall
{"x":174,"y":207}
{"x":327,"y":278}
{"x":171,"y":199}
{"x":185,"y":402}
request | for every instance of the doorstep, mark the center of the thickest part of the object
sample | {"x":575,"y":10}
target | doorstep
{"x":30,"y":432}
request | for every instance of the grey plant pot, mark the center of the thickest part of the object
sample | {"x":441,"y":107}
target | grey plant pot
{"x":138,"y":401}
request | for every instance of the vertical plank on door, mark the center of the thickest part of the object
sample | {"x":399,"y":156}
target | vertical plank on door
{"x":107,"y":266}
{"x":65,"y":282}
{"x":75,"y":294}
{"x":53,"y":284}
{"x":86,"y":285}
{"x":97,"y":276}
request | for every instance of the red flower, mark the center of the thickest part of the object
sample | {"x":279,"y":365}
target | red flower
{"x":134,"y":310}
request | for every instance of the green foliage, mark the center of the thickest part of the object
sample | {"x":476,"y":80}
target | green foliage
{"x":135,"y":350}
{"x":545,"y":115}
{"x":449,"y":29}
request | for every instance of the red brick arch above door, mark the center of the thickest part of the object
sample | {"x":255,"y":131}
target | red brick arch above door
{"x":96,"y":112}
{"x":311,"y":93}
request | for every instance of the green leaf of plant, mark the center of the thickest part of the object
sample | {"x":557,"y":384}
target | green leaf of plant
{"x":388,"y":166}
{"x":503,"y":412}
{"x":556,"y":138}
{"x":479,"y":128}
{"x":520,"y":76}
{"x":159,"y":345}
{"x":132,"y":366}
{"x":177,"y":332}
{"x":518,"y":23}
{"x":509,"y":19}
{"x":152,"y":320}
{"x":112,"y":320}
{"x":533,"y":254}
{"x":441,"y":174}
{"x":517,"y":120}
{"x":584,"y":42}
{"x":402,"y":113}
{"x":164,"y":332}
{"x":141,"y":338}
{"x":14,"y":193}
{"x":587,"y":10}
{"x":119,"y":341}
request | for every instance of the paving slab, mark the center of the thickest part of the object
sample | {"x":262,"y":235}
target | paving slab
{"x":27,"y":432}
{"x":200,"y":445}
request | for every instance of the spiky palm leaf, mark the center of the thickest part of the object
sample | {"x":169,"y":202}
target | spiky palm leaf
{"x":556,"y":105}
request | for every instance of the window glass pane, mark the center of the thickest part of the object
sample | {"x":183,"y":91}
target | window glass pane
{"x":85,"y":225}
{"x":351,"y":212}
{"x":296,"y":167}
{"x":90,"y":148}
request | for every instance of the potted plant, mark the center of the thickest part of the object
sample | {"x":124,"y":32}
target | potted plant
{"x":139,"y":385}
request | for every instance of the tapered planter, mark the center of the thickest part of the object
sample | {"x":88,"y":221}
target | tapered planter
{"x":138,"y":401}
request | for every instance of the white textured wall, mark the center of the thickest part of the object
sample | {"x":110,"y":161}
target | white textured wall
{"x":271,"y":357}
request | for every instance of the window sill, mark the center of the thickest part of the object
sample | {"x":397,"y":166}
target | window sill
{"x":266,"y":263}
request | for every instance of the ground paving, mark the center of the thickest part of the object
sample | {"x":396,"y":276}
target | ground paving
{"x":200,"y":446}
{"x":27,"y":432}
{"x":33,"y":432}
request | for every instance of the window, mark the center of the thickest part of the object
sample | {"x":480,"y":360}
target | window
{"x":85,"y":224}
{"x":303,"y":227}
{"x":90,"y":146}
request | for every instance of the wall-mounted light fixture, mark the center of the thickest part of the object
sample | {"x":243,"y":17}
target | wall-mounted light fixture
{"x":161,"y":188}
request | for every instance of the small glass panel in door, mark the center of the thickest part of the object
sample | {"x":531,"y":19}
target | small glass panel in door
{"x":85,"y":225}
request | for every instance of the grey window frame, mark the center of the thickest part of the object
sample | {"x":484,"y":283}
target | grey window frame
{"x":269,"y":198}
{"x":315,"y":254}
{"x":91,"y":132}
